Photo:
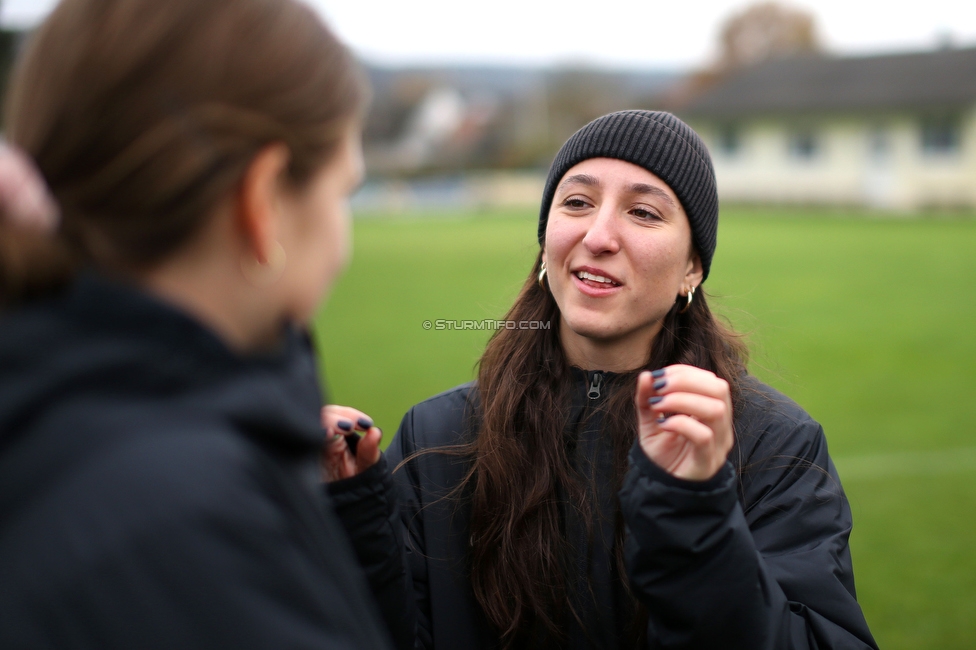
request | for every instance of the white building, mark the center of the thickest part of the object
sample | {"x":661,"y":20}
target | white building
{"x":893,"y":131}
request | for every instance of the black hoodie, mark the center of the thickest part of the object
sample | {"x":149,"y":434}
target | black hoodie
{"x":158,"y":490}
{"x":755,"y":558}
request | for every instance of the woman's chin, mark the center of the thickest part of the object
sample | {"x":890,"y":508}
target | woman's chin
{"x":594,"y":332}
{"x":607,"y":332}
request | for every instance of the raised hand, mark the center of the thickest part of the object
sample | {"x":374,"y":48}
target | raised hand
{"x":346,"y":453}
{"x":684,"y":420}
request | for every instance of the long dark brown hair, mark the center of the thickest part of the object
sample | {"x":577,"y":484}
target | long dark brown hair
{"x":142,"y":115}
{"x":522,"y":474}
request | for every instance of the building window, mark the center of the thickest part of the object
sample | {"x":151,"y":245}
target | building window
{"x":729,"y":141}
{"x":803,"y":144}
{"x":941,"y":135}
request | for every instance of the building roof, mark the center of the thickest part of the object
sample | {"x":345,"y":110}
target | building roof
{"x":941,"y":79}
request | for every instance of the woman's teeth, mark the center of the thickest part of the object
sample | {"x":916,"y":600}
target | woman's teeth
{"x":583,"y":275}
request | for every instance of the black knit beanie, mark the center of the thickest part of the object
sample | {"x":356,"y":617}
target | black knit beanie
{"x":663,"y":145}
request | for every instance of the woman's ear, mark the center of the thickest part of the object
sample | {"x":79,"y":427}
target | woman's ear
{"x":259,"y":201}
{"x":694,"y":273}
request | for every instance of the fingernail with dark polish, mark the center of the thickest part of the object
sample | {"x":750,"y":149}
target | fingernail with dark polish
{"x":660,"y":383}
{"x":661,"y":419}
{"x":657,"y":374}
{"x":364,"y":423}
{"x":655,"y":400}
{"x":345,"y":425}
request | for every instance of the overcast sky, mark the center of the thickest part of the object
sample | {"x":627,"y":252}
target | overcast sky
{"x":631,"y":33}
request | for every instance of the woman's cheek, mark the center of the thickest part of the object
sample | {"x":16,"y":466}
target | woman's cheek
{"x":559,"y":240}
{"x":662,"y":260}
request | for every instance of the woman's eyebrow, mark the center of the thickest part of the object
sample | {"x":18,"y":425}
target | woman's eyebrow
{"x":643,"y":188}
{"x":580,"y":179}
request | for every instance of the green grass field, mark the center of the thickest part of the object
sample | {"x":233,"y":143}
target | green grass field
{"x":867,"y":322}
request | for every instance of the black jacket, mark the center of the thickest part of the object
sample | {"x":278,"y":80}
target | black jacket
{"x":159,"y":491}
{"x":756,"y":558}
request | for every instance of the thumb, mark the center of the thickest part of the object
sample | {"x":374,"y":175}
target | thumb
{"x":368,"y":449}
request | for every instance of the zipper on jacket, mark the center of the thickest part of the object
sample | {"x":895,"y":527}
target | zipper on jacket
{"x":596,"y":381}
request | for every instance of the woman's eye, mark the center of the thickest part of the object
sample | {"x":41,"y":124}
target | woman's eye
{"x":643,"y":214}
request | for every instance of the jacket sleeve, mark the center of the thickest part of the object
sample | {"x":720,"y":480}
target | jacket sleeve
{"x":773,"y":574}
{"x":412,"y":527}
{"x":367,"y":507}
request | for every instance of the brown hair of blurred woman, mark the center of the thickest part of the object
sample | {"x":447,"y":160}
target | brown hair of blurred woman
{"x":143,"y":124}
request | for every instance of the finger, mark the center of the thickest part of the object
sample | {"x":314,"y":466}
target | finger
{"x":697,"y":433}
{"x":682,"y":378}
{"x":334,"y":413}
{"x":710,"y":448}
{"x":706,"y":409}
{"x":704,"y":457}
{"x":368,"y":450}
{"x":647,"y":424}
{"x":347,"y":412}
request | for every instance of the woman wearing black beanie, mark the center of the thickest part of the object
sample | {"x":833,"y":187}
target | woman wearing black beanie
{"x":615,"y":478}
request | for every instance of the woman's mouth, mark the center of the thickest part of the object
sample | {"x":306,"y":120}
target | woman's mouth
{"x":595,"y":282}
{"x":599,"y":280}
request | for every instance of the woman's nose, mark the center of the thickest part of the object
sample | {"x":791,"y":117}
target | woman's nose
{"x":602,"y":236}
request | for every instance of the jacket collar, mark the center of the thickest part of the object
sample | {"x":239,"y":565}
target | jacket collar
{"x":114,"y":338}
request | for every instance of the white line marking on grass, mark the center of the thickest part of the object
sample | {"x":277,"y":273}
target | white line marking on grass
{"x":907,"y":463}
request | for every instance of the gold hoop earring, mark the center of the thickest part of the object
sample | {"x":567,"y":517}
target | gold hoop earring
{"x":264,"y":274}
{"x":691,"y":295}
{"x":542,"y":276}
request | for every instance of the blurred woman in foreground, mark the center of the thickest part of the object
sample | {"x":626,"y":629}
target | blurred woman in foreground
{"x":160,"y":433}
{"x":615,"y":478}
